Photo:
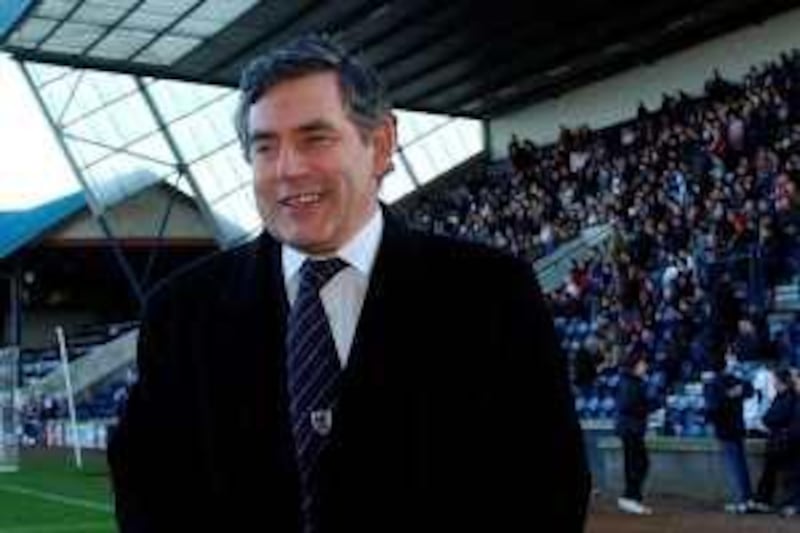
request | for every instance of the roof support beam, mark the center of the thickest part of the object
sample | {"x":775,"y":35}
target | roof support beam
{"x":115,"y":150}
{"x":59,"y":24}
{"x":407,"y":165}
{"x":162,"y":228}
{"x":94,"y":203}
{"x":166,"y":29}
{"x":72,"y":91}
{"x":331,"y":16}
{"x":183,"y":167}
{"x":112,"y":27}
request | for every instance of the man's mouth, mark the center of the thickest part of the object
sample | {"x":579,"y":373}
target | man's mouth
{"x":301,"y":200}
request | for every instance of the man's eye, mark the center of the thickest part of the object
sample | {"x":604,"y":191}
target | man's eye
{"x":263,"y":148}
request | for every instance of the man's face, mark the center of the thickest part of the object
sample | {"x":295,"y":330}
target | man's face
{"x":316,"y":174}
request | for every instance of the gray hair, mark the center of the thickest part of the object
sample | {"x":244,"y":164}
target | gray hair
{"x":363,"y":93}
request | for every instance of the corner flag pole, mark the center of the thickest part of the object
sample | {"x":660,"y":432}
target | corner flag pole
{"x":62,"y":348}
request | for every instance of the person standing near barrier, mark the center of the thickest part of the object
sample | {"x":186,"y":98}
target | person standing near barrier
{"x":791,"y":507}
{"x":634,"y":405}
{"x":779,"y":454}
{"x":725,"y":393}
{"x":344,"y":373}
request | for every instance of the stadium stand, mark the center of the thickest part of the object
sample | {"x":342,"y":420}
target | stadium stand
{"x":702,"y":198}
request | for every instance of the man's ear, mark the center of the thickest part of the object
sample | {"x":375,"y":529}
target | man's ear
{"x":384,"y":138}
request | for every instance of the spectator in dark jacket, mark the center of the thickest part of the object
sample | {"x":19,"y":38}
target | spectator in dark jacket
{"x":725,"y":393}
{"x":779,"y":453}
{"x":633,"y":407}
{"x":792,"y":507}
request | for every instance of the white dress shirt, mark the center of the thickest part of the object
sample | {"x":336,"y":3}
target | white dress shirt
{"x":343,"y":296}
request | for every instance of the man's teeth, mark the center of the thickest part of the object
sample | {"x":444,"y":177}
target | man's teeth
{"x":308,"y":198}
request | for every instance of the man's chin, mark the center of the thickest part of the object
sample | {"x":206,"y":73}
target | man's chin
{"x":309,"y":245}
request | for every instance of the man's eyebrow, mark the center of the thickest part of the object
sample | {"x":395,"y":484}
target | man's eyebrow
{"x":262,"y":135}
{"x":316,"y":125}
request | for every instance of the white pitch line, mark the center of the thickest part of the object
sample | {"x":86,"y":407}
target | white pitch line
{"x":58,"y":498}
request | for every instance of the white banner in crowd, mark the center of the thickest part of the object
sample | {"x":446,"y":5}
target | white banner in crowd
{"x":91,"y":435}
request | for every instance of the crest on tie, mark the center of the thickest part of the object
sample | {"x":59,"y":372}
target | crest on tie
{"x":322,"y":421}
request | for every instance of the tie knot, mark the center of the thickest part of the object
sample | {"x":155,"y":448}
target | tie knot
{"x":318,"y":273}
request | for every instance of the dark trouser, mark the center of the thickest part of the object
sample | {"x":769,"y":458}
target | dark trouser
{"x":773,"y":464}
{"x":736,"y":468}
{"x":776,"y":466}
{"x":636,"y":465}
{"x":793,"y":481}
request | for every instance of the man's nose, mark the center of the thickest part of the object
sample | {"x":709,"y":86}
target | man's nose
{"x":291,"y":162}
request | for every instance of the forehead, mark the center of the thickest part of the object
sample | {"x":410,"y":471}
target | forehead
{"x":294,"y":102}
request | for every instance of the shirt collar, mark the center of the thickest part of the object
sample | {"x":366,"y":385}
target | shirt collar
{"x":359,"y":252}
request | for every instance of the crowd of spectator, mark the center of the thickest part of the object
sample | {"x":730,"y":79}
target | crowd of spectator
{"x":702,"y":195}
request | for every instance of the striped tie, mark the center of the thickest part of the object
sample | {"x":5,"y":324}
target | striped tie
{"x":313,"y":376}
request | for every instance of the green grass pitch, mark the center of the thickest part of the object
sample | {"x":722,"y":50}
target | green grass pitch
{"x":49,"y":494}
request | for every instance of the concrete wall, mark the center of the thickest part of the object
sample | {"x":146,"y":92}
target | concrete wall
{"x":683,"y":467}
{"x":616,"y":99}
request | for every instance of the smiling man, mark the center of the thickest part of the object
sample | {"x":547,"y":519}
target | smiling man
{"x":343,"y":373}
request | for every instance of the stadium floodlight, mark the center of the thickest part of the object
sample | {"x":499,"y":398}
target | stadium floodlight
{"x":10,"y":429}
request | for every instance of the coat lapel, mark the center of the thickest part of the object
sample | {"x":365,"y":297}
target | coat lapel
{"x":380,"y":315}
{"x":258,"y":321}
